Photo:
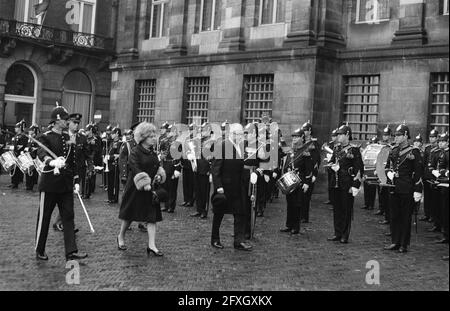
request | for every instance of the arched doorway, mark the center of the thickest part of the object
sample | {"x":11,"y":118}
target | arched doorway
{"x":20,"y":95}
{"x":77,"y":95}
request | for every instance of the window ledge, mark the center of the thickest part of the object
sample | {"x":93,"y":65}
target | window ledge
{"x":373,"y":22}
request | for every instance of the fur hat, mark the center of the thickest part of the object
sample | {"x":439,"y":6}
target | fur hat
{"x":141,"y":180}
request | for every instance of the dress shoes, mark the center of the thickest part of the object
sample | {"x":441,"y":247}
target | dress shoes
{"x":58,"y":227}
{"x":41,"y":256}
{"x":217,"y":244}
{"x":171,"y":211}
{"x":403,"y":250}
{"x":344,"y":241}
{"x":335,"y":238}
{"x":164,"y":209}
{"x":392,"y":247}
{"x":190,"y":204}
{"x":365,"y":207}
{"x":424,"y":218}
{"x":443,"y":241}
{"x":327,"y":202}
{"x":388,"y":234}
{"x":184,"y":204}
{"x":76,"y":256}
{"x":196,"y":215}
{"x":203,"y":216}
{"x":286,"y":230}
{"x":434,"y":229}
{"x":384,"y":222}
{"x":294,"y":232}
{"x":155,"y":253}
{"x":243,"y":246}
{"x":120,"y":247}
{"x":379,"y":213}
{"x":259,"y":214}
{"x":304,"y":221}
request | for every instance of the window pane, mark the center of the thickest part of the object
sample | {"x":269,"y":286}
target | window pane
{"x":281,"y":11}
{"x":87,"y":18}
{"x":207,"y":15}
{"x":20,"y":10}
{"x":439,"y":104}
{"x":165,"y":30}
{"x":383,"y":9}
{"x":258,"y":97}
{"x":156,"y":20}
{"x":31,"y":16}
{"x":196,"y":107}
{"x":146,"y":90}
{"x":217,"y":14}
{"x":267,"y":12}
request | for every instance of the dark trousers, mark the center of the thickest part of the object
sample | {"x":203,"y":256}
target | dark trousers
{"x":31,"y":180}
{"x":444,"y":210}
{"x":427,"y":199}
{"x":304,"y":211}
{"x":383,"y":202}
{"x":239,"y":227}
{"x":295,"y":204}
{"x":113,"y":183}
{"x":201,"y":187}
{"x":48,"y":201}
{"x":17,"y":177}
{"x":188,"y":185}
{"x":342,"y":212}
{"x":331,"y":178}
{"x":261,"y":194}
{"x":171,"y":186}
{"x":436,"y":214}
{"x":370,"y":192}
{"x":402,"y":206}
{"x":82,"y":178}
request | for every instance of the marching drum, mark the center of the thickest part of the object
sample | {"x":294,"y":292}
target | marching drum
{"x":375,"y":157}
{"x":288,"y":182}
{"x":8,"y":161}
{"x":26,"y":163}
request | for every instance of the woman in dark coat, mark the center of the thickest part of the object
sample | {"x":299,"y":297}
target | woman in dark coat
{"x":140,"y":201}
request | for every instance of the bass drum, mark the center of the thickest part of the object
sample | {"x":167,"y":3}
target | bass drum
{"x":371,"y":160}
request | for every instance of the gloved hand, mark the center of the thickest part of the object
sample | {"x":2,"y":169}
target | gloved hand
{"x":305,"y":187}
{"x":335,"y":167}
{"x":220,"y":190}
{"x":417,"y":196}
{"x":210,"y":178}
{"x":253,"y":178}
{"x":390,"y":175}
{"x":274,"y":175}
{"x":147,"y":187}
{"x":58,"y":162}
{"x":76,"y":188}
{"x":313,"y":179}
{"x":436,"y":173}
{"x":354,"y":191}
{"x":176,"y":174}
{"x":266,"y":178}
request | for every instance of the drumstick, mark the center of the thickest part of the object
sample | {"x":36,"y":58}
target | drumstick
{"x":85,"y":211}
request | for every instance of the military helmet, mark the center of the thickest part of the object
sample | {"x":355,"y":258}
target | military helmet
{"x":443,"y":137}
{"x":434,"y":133}
{"x":21,"y":124}
{"x":387,"y":131}
{"x":345,"y":129}
{"x":165,"y":125}
{"x":116,"y":130}
{"x":298,"y":133}
{"x":334,"y":132}
{"x":418,"y":138}
{"x":59,"y":113}
{"x":402,"y":129}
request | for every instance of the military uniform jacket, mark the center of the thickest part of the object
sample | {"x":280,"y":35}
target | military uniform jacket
{"x":114,"y":149}
{"x":81,"y":151}
{"x":59,"y":145}
{"x":443,"y":163}
{"x":304,"y":166}
{"x":32,"y":148}
{"x":350,"y":164}
{"x":125,"y":151}
{"x":20,"y":142}
{"x":430,"y":160}
{"x":406,"y":163}
{"x":314,"y":150}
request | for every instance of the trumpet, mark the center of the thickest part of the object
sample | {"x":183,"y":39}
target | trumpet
{"x":326,"y":148}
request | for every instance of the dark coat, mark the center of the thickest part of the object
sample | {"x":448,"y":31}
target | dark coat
{"x":350,"y":163}
{"x":137,"y":205}
{"x":227,"y":174}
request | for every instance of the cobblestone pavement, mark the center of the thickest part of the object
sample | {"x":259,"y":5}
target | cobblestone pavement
{"x":278,"y":261}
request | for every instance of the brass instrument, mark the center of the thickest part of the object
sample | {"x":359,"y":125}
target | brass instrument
{"x":106,"y":156}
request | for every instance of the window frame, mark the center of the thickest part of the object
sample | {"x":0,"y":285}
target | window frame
{"x":434,"y":79}
{"x":94,"y":11}
{"x":26,"y":17}
{"x":161,"y":23}
{"x":274,"y":13}
{"x":195,"y":82}
{"x":245,"y":90}
{"x":374,"y":21}
{"x":445,"y":7}
{"x":213,"y":16}
{"x":153,"y":83}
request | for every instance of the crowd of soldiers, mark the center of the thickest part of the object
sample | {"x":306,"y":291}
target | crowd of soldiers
{"x":411,"y":171}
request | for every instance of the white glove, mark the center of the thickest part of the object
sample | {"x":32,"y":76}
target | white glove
{"x":390,"y":175}
{"x":253,"y":178}
{"x":354,"y":191}
{"x":266,"y":178}
{"x":220,"y":190}
{"x":58,"y":163}
{"x":335,"y":167}
{"x":190,"y":156}
{"x":375,"y":173}
{"x":210,"y":178}
{"x":305,"y":187}
{"x":147,"y":187}
{"x":313,"y":179}
{"x":417,"y":196}
{"x":76,"y":188}
{"x":176,"y":174}
{"x":436,"y":173}
{"x":11,"y":148}
{"x":274,"y":175}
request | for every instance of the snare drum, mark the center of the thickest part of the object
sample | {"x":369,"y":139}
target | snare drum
{"x":288,"y":182}
{"x":39,"y":165}
{"x":26,"y":163}
{"x":8,"y":161}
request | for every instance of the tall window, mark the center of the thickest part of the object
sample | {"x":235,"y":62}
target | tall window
{"x":159,"y":18}
{"x":372,"y":11}
{"x":86,"y":17}
{"x":146,"y":98}
{"x":195,"y":108}
{"x":439,"y":102}
{"x":445,"y":7}
{"x":361,"y":105}
{"x":24,"y":11}
{"x":210,"y":14}
{"x":77,"y":95}
{"x":270,"y":11}
{"x":258,"y":97}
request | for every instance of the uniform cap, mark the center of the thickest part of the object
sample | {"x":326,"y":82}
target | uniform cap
{"x":298,"y":133}
{"x":434,"y":133}
{"x":387,"y":130}
{"x":418,"y":138}
{"x":307,"y":126}
{"x":165,"y":125}
{"x":443,"y":137}
{"x":75,"y":117}
{"x":402,"y":129}
{"x":59,"y":113}
{"x":345,"y":129}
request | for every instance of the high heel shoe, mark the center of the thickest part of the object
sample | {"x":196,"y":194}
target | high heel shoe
{"x":158,"y":253}
{"x":120,"y":247}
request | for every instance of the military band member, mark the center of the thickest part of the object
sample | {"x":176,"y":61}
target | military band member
{"x":32,"y":147}
{"x":428,"y":159}
{"x":19,"y":143}
{"x":441,"y":173}
{"x":302,"y":164}
{"x":106,"y":145}
{"x":94,"y":158}
{"x":383,"y":192}
{"x":56,"y":186}
{"x":80,"y":145}
{"x":113,"y":166}
{"x":188,"y":173}
{"x":348,"y":167}
{"x":314,"y":150}
{"x":418,"y":143}
{"x":432,"y":163}
{"x":330,"y":174}
{"x":370,"y":190}
{"x":405,"y":170}
{"x":265,"y":165}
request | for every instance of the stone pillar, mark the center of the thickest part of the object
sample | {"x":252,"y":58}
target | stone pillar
{"x":233,"y":19}
{"x":329,"y":25}
{"x":302,"y":32}
{"x":128,"y":28}
{"x":411,"y":23}
{"x":2,"y":103}
{"x":177,"y":26}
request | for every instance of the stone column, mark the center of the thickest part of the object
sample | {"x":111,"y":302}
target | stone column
{"x":411,"y":23}
{"x":302,"y":32}
{"x":128,"y":28}
{"x":2,"y":103}
{"x":177,"y":26}
{"x":233,"y":19}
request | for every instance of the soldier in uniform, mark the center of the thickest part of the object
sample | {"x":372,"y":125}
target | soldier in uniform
{"x":56,"y":186}
{"x":330,"y":174}
{"x":32,"y":147}
{"x":94,"y":158}
{"x":428,"y":158}
{"x":302,"y":164}
{"x":19,"y":142}
{"x":265,"y":165}
{"x":383,"y":192}
{"x":348,"y":167}
{"x":113,"y":165}
{"x":314,"y":150}
{"x":441,"y":173}
{"x":188,"y":173}
{"x":106,"y":145}
{"x":405,"y":170}
{"x":418,"y":143}
{"x":370,"y":190}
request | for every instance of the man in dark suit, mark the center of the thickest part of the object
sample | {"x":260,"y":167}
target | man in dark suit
{"x":227,"y":176}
